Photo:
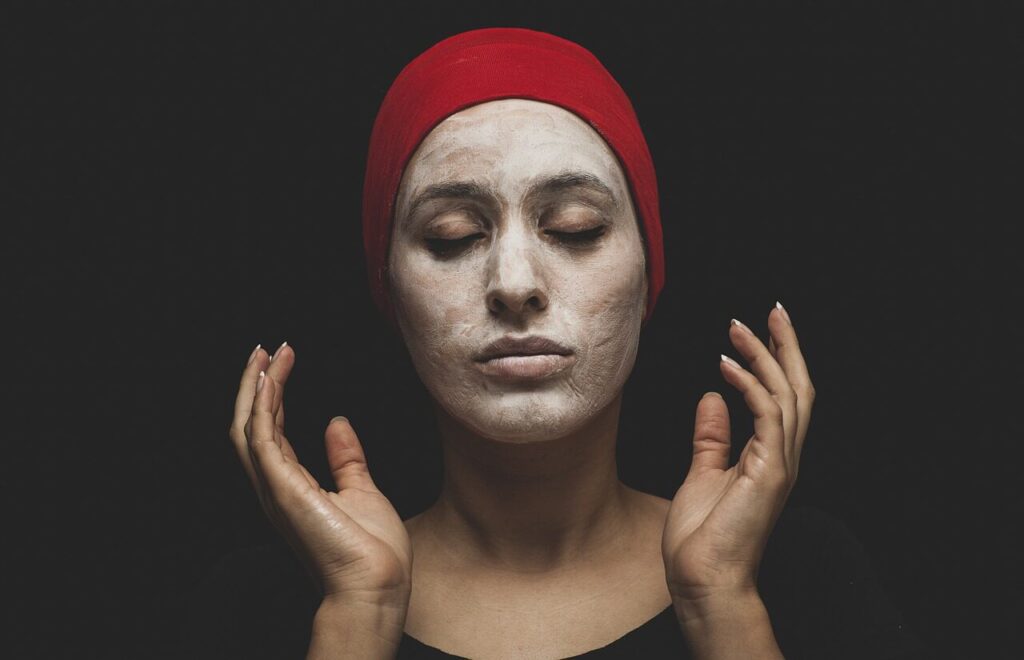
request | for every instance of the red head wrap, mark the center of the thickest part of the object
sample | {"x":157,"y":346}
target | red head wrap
{"x":496,"y":63}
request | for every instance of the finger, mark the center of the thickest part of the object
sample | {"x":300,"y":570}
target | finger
{"x":283,"y":480}
{"x":239,"y":431}
{"x":345,"y":456}
{"x":280,"y":368}
{"x":259,"y":480}
{"x":711,"y":435}
{"x":299,"y":509}
{"x":248,"y":388}
{"x":280,"y":438}
{"x":276,"y":403}
{"x":791,"y":358}
{"x":774,"y":379}
{"x":767,"y":446}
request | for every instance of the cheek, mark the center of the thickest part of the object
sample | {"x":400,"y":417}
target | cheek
{"x":614,"y":289}
{"x":610,"y":316}
{"x":612,"y":305}
{"x":432,"y":307}
{"x":410,"y":291}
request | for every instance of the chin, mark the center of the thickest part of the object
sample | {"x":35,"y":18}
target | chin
{"x":519,"y":429}
{"x":522,"y":417}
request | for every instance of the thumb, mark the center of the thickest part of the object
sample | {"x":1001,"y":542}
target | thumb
{"x":345,"y":456}
{"x":711,"y":440}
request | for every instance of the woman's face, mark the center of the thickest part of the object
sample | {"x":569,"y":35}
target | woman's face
{"x":513,"y":219}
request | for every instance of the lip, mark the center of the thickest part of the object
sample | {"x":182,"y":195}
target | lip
{"x":516,"y":358}
{"x":508,"y":346}
{"x":517,"y":367}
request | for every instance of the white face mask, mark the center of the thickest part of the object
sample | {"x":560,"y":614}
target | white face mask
{"x":513,"y":275}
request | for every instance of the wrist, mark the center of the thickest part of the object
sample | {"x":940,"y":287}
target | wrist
{"x":396,"y":598}
{"x":727,"y":624}
{"x":714,"y":603}
{"x":347,"y":628}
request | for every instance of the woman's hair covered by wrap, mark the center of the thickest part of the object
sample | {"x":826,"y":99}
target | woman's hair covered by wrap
{"x":485,"y":65}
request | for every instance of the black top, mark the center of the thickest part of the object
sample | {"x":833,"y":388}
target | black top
{"x":815,"y":580}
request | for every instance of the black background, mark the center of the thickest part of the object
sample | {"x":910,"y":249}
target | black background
{"x":187,"y":181}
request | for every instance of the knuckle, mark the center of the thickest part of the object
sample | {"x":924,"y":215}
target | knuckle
{"x":712,"y":423}
{"x":258,"y":446}
{"x":805,"y":391}
{"x":255,"y":456}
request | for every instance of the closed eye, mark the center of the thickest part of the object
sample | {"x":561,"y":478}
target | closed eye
{"x":445,"y":246}
{"x":579,"y":237}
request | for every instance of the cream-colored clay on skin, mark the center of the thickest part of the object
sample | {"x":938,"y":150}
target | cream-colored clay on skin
{"x":590,"y":300}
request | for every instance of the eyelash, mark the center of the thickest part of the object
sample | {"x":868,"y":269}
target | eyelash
{"x":444,"y":246}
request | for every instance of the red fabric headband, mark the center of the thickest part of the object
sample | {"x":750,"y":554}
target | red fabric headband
{"x":485,"y":65}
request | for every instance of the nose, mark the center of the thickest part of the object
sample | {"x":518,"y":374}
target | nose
{"x":515,"y":284}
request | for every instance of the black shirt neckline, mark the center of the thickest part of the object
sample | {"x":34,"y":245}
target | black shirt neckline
{"x":662,"y":616}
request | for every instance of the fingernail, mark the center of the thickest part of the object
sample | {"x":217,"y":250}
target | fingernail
{"x":707,"y":394}
{"x":253,"y":356}
{"x":785,"y":314}
{"x":742,"y":327}
{"x":259,"y":383}
{"x":334,"y":419}
{"x":729,"y":360}
{"x":277,"y":351}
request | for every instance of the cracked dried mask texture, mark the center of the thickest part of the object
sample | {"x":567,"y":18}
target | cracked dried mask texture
{"x":513,"y":275}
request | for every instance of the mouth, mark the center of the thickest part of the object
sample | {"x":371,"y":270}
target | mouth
{"x":509,"y":346}
{"x":529,"y":357}
{"x":516,"y":367}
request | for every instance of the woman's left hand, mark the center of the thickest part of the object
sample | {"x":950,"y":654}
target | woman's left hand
{"x":721,"y":517}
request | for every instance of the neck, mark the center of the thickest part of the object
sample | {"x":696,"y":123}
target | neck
{"x":532,"y":507}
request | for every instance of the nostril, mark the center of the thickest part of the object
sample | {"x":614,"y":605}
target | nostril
{"x":499,"y":302}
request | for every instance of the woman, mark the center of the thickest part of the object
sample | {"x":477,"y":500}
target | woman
{"x":513,"y":238}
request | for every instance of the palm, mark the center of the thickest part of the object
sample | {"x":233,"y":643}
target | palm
{"x":710,"y":521}
{"x":353,"y":536}
{"x":721,"y":517}
{"x":352,"y":540}
{"x":374,"y":516}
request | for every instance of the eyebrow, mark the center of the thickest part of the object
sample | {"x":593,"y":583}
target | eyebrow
{"x":472,"y":190}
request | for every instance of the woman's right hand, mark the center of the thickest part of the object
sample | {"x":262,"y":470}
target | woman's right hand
{"x":352,"y":541}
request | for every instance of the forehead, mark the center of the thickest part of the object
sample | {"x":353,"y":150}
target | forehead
{"x":507,"y":143}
